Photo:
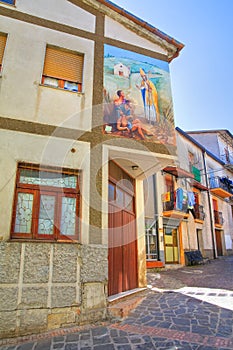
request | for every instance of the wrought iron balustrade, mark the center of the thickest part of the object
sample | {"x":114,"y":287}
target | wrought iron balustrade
{"x":218,"y":218}
{"x":221,"y":182}
{"x":199,"y":212}
{"x":170,"y":202}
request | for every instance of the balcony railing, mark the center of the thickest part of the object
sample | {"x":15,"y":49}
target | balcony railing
{"x":222,"y":183}
{"x":170,"y":203}
{"x":199,"y":212}
{"x":218,"y":218}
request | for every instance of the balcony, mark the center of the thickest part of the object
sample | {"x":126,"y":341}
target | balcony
{"x":218,"y":218}
{"x":170,"y":208}
{"x":199,"y":212}
{"x":221,"y":186}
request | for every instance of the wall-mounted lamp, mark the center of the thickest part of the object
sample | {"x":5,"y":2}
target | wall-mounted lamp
{"x":134,"y":167}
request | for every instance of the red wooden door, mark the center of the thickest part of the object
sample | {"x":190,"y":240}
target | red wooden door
{"x":122,"y":241}
{"x":218,"y":237}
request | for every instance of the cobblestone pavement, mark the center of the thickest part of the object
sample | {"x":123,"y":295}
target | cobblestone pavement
{"x":173,"y":315}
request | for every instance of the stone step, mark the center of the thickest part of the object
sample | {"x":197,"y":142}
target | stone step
{"x":122,"y":308}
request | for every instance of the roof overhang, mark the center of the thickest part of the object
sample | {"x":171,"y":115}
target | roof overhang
{"x":178,"y":172}
{"x":198,"y":185}
{"x":137,"y":163}
{"x":136,"y":24}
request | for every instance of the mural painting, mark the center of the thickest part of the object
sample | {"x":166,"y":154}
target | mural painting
{"x":137,"y":97}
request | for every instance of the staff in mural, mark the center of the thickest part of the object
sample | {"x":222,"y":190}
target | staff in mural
{"x":150,"y":98}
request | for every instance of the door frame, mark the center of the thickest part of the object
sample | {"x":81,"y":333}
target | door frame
{"x":123,"y":256}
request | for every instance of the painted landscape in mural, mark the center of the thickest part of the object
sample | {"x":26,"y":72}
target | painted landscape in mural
{"x":137,"y":97}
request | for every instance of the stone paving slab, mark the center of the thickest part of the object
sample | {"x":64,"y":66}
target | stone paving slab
{"x":166,"y":319}
{"x":219,"y":297}
{"x":162,"y":321}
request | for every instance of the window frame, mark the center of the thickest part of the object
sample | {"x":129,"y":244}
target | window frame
{"x":58,"y":193}
{"x":126,"y":192}
{"x":61,"y":83}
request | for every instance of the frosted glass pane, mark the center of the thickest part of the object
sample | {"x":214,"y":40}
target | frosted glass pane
{"x":45,"y":178}
{"x":68,"y":216}
{"x":111,"y":192}
{"x":168,"y":239}
{"x":128,"y":202}
{"x":46,"y":215}
{"x":23,"y":220}
{"x":119,"y":198}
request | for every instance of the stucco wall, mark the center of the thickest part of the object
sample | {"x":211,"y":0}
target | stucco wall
{"x":22,"y":95}
{"x":16,"y":147}
{"x":59,"y":11}
{"x":115,"y":30}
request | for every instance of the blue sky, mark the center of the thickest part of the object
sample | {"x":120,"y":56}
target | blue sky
{"x":202,"y":75}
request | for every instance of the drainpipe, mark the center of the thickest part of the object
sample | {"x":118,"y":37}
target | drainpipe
{"x":156,"y":215}
{"x":209,"y":204}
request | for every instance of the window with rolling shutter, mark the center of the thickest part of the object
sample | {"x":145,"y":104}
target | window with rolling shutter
{"x":63,"y":69}
{"x":2,"y":48}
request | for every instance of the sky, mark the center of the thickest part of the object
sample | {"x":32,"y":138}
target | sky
{"x":202,"y":75}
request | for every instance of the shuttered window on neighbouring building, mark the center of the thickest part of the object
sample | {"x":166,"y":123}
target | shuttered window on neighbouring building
{"x":2,"y":47}
{"x":63,"y":69}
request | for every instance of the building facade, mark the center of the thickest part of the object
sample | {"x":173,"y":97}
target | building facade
{"x":192,"y":207}
{"x":77,"y":141}
{"x":219,"y":142}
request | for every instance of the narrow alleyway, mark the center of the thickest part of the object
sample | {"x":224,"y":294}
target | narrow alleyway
{"x":188,"y":308}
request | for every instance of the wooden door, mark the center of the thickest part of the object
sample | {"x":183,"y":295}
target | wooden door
{"x":122,"y":240}
{"x":218,"y":238}
{"x":200,"y":244}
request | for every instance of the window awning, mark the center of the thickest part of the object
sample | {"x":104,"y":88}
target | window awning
{"x":198,"y":185}
{"x":178,"y":172}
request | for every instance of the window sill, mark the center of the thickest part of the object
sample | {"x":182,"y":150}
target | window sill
{"x":218,"y":225}
{"x":60,"y":89}
{"x":199,"y":221}
{"x":24,"y":240}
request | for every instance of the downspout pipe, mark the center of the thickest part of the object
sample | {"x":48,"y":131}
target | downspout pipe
{"x":156,"y":215}
{"x":209,"y":203}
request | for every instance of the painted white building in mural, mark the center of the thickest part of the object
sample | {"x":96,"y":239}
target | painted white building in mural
{"x":121,"y":70}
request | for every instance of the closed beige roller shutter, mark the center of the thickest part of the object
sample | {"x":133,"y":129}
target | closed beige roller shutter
{"x":2,"y":46}
{"x":63,"y":65}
